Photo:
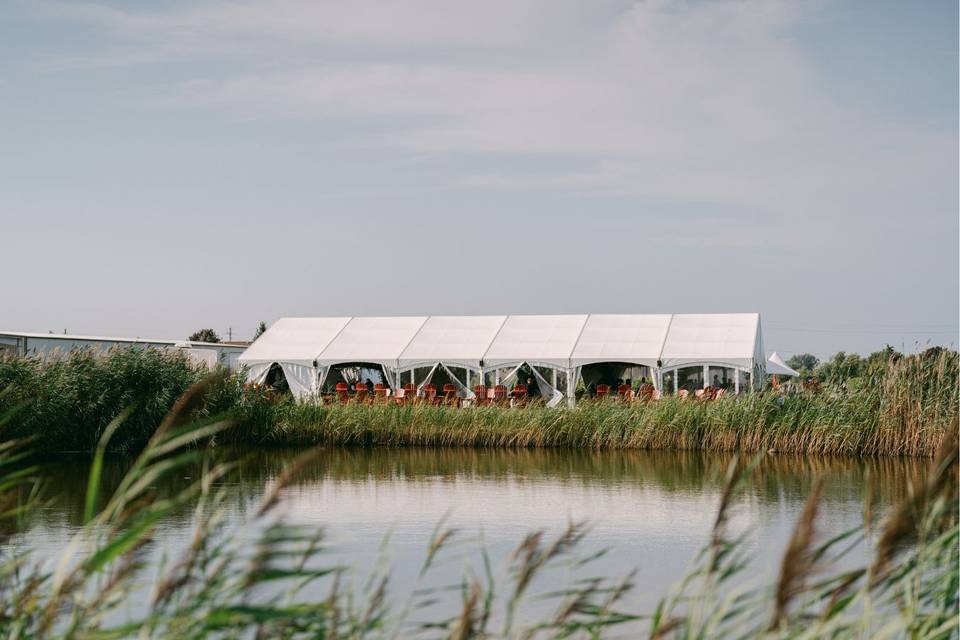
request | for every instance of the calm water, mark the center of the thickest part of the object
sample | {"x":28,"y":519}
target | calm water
{"x":653,"y":510}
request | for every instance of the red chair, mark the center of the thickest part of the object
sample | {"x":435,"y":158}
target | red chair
{"x":379,"y":393}
{"x":450,"y":395}
{"x":410,"y":393}
{"x":645,"y":392}
{"x":500,"y":394}
{"x":520,"y":395}
{"x":481,"y":392}
{"x":361,"y":390}
{"x":624,"y":392}
{"x":343,"y":392}
{"x":602,"y":391}
{"x":430,"y":394}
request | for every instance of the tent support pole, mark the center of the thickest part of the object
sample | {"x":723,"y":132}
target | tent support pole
{"x":706,"y":376}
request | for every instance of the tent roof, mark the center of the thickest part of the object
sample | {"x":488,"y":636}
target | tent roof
{"x":726,"y":339}
{"x":636,"y":339}
{"x":375,"y":340}
{"x":497,"y":341}
{"x":776,"y":366}
{"x":293,"y":340}
{"x":546,"y":340}
{"x":454,"y":340}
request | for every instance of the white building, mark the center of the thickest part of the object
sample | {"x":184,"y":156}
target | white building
{"x":52,"y":345}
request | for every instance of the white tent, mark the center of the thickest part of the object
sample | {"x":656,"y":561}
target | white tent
{"x":537,"y":340}
{"x":306,"y":348}
{"x":724,"y":340}
{"x":292,"y":343}
{"x":371,"y":340}
{"x":776,"y":366}
{"x":455,"y":341}
{"x":637,"y":339}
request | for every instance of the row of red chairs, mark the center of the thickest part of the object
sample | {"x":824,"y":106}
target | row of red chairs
{"x":429,"y":394}
{"x":625,"y":392}
{"x":408,"y":393}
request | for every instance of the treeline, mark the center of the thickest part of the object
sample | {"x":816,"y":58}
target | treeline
{"x":843,"y":367}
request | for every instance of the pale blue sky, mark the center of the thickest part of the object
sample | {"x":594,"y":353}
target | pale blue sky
{"x":171,"y":165}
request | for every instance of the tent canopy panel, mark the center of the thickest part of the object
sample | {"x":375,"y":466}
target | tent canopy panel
{"x":776,"y":366}
{"x":293,"y":340}
{"x":621,"y":338}
{"x":378,"y":340}
{"x":547,"y":340}
{"x":454,"y":340}
{"x":732,"y":338}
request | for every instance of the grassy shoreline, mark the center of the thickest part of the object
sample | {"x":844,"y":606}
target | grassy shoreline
{"x":905,"y":409}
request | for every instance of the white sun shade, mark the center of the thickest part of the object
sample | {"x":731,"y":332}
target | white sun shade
{"x":776,"y":366}
{"x":538,"y":340}
{"x":453,"y":340}
{"x":293,"y":340}
{"x":635,"y":339}
{"x":731,"y":339}
{"x":374,"y":340}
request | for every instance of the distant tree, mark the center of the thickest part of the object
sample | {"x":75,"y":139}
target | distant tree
{"x":204,"y":335}
{"x":261,"y":329}
{"x":877,"y":362}
{"x":841,"y":367}
{"x":803,"y":363}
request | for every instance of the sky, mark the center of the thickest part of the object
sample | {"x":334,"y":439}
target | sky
{"x":170,"y":165}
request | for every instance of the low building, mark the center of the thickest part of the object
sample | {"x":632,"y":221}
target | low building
{"x":52,"y":345}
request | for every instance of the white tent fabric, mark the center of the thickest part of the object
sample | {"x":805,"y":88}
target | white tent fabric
{"x":776,"y":366}
{"x":537,"y":340}
{"x":375,"y":340}
{"x":306,"y":348}
{"x":301,"y":378}
{"x":293,"y":340}
{"x":637,"y":339}
{"x":457,"y":341}
{"x":731,"y":339}
{"x":293,"y":343}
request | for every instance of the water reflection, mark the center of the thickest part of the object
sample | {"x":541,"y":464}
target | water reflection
{"x":654,"y":509}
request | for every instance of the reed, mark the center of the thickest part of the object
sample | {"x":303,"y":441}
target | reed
{"x":72,"y":399}
{"x":221,"y":584}
{"x":905,"y":411}
{"x":902,"y":409}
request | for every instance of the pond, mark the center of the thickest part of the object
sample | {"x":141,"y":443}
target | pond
{"x":653,"y":511}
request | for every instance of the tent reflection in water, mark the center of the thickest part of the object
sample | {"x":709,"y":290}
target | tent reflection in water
{"x":557,"y":352}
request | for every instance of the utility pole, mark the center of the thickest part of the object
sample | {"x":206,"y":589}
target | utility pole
{"x":229,"y":334}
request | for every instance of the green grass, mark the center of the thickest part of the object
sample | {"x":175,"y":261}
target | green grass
{"x":905,"y":411}
{"x":73,"y":399}
{"x":902,"y":409}
{"x":222,"y":584}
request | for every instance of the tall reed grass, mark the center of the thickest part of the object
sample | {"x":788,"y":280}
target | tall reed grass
{"x":72,"y":399}
{"x":904,"y":412}
{"x":106,"y":584}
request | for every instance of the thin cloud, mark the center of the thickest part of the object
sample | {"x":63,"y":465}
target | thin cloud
{"x":674,"y":101}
